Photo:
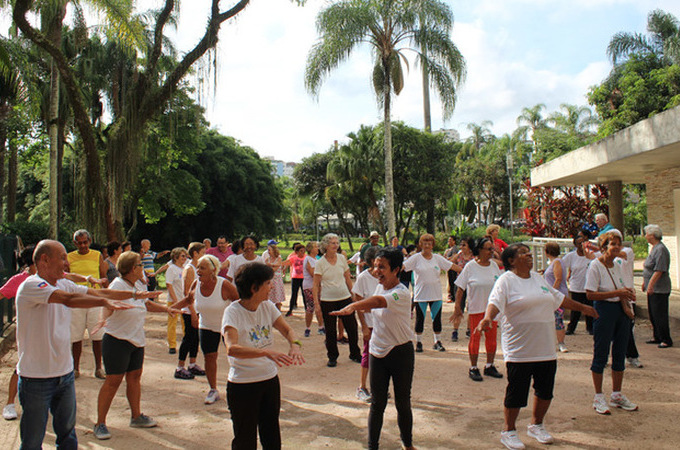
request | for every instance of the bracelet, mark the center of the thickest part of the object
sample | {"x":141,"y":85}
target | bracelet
{"x":297,"y":341}
{"x":134,"y":294}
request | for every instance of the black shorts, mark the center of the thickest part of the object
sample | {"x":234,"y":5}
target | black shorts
{"x":121,"y":356}
{"x":519,"y":379}
{"x":210,"y":341}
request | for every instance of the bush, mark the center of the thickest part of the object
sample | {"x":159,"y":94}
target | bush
{"x":640,"y":246}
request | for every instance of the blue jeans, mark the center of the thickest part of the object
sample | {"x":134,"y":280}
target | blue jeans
{"x":38,"y":396}
{"x":611,"y":328}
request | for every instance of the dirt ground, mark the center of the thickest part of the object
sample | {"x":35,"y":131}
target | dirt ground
{"x":319,"y":408}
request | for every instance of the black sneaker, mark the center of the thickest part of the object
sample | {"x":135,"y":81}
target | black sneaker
{"x":289,"y":313}
{"x":475,"y":375}
{"x":183,"y":374}
{"x":454,"y":336}
{"x":492,"y":372}
{"x":438,"y":346}
{"x":419,"y":347}
{"x":356,"y":359}
{"x":569,"y":332}
{"x":172,"y":351}
{"x":467,"y":333}
{"x":332,"y":363}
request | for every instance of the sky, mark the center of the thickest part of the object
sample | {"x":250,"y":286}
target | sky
{"x":518,"y":52}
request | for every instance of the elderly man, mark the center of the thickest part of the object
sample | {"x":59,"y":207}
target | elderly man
{"x":221,"y":252}
{"x":603,"y":224}
{"x":88,"y":263}
{"x":45,"y":367}
{"x":148,"y":257}
{"x":373,"y":242}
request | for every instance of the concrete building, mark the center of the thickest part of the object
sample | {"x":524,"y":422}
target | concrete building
{"x":281,"y":168}
{"x":645,"y":153}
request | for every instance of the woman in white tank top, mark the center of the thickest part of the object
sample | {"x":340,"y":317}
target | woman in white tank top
{"x":211,"y":294}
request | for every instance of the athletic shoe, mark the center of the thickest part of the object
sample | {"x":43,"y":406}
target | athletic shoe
{"x":635,"y":362}
{"x":289,"y":313}
{"x":511,"y":440}
{"x":99,"y":373}
{"x":183,"y":374}
{"x":600,"y":405}
{"x":491,"y":371}
{"x":9,"y":412}
{"x":419,"y":347}
{"x":538,"y":432}
{"x":467,"y":333}
{"x":363,"y":395}
{"x":475,"y":375}
{"x":454,"y":336}
{"x":622,"y":402}
{"x":343,"y":340}
{"x":569,"y":332}
{"x":356,"y":359}
{"x":196,"y":370}
{"x":172,"y":351}
{"x":322,"y":332}
{"x":307,"y":332}
{"x":101,"y":432}
{"x":563,"y":348}
{"x":332,"y":363}
{"x":143,"y":422}
{"x":438,"y":346}
{"x":212,"y":397}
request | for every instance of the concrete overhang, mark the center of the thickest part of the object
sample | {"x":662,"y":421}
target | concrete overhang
{"x":629,"y":156}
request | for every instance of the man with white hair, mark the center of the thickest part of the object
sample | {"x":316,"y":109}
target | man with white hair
{"x":45,"y":368}
{"x":603,"y":224}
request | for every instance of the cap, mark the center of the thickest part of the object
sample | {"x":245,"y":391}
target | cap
{"x":373,"y":233}
{"x":272,"y":242}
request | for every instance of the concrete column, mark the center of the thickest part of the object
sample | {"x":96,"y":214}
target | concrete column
{"x":616,"y":204}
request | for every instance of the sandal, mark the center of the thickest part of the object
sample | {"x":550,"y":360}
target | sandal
{"x":664,"y":345}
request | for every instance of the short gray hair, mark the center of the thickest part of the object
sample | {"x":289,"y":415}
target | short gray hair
{"x":601,"y":216}
{"x":326,"y":240}
{"x":82,"y":232}
{"x":654,"y":230}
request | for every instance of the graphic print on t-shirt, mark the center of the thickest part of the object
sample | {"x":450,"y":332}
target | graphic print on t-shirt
{"x":260,"y":336}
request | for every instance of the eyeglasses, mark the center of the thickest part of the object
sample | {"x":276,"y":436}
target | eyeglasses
{"x":139,"y":265}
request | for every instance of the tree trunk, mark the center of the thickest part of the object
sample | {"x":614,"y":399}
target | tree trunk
{"x":430,"y":216}
{"x":389,"y":179}
{"x":3,"y":146}
{"x":53,"y":132}
{"x":426,"y":92}
{"x":60,"y":167}
{"x":12,"y":175}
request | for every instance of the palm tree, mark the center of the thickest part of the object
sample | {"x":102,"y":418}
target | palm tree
{"x":532,"y":118}
{"x":389,"y":27}
{"x":663,"y":40}
{"x":481,"y":134}
{"x":574,"y":120}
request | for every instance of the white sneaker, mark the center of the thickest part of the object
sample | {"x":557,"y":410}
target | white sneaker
{"x":212,"y":397}
{"x":600,"y":405}
{"x":9,"y":412}
{"x":538,"y":432}
{"x":511,"y":440}
{"x":635,"y":362}
{"x":363,"y":395}
{"x":623,"y":403}
{"x":563,"y":348}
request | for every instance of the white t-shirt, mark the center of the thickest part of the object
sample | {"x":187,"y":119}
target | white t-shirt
{"x":355,"y":260}
{"x":391,"y":324}
{"x":308,"y":279}
{"x":627,"y":266}
{"x":527,"y":307}
{"x":255,"y":329}
{"x":578,"y":266}
{"x":128,"y":324}
{"x":211,"y":308}
{"x":44,"y":329}
{"x":333,"y":285}
{"x":365,"y":287}
{"x":238,"y":261}
{"x":598,"y":279}
{"x":173,"y":280}
{"x":478,"y":280}
{"x":426,"y":285}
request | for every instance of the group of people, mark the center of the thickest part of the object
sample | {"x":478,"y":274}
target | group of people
{"x":228,"y":295}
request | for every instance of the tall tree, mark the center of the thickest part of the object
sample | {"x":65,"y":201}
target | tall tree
{"x":663,"y":41}
{"x":390,"y":27}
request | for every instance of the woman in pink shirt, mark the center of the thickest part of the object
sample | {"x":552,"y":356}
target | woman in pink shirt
{"x":296,"y":261}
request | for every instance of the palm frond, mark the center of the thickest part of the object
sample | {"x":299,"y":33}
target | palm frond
{"x":623,"y":44}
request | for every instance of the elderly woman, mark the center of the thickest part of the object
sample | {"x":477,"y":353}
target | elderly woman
{"x":253,"y":389}
{"x":605,"y":286}
{"x":657,"y":284}
{"x":173,"y":281}
{"x":277,"y":294}
{"x":248,"y":244}
{"x":427,"y":267}
{"x":123,"y":344}
{"x":459,"y":260}
{"x":332,"y":292}
{"x":477,"y":279}
{"x":527,"y":304}
{"x":576,"y":264}
{"x":493,"y":230}
{"x":390,"y":347}
{"x":211,"y":294}
{"x":312,"y":249}
{"x":555,"y":276}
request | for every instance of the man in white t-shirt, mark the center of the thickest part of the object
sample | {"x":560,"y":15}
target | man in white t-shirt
{"x":45,"y":367}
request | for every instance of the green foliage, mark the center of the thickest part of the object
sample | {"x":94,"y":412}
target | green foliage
{"x":640,"y":246}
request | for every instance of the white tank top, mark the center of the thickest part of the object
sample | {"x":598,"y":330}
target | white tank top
{"x":211,"y":308}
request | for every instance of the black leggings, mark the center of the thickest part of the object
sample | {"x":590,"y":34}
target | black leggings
{"x":398,"y":365}
{"x":435,"y":312}
{"x":253,"y":406}
{"x":330,"y":322}
{"x":657,"y":306}
{"x":189,"y":343}
{"x":295,"y":287}
{"x":575,"y":315}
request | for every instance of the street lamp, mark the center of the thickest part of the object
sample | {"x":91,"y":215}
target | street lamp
{"x":510,"y":165}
